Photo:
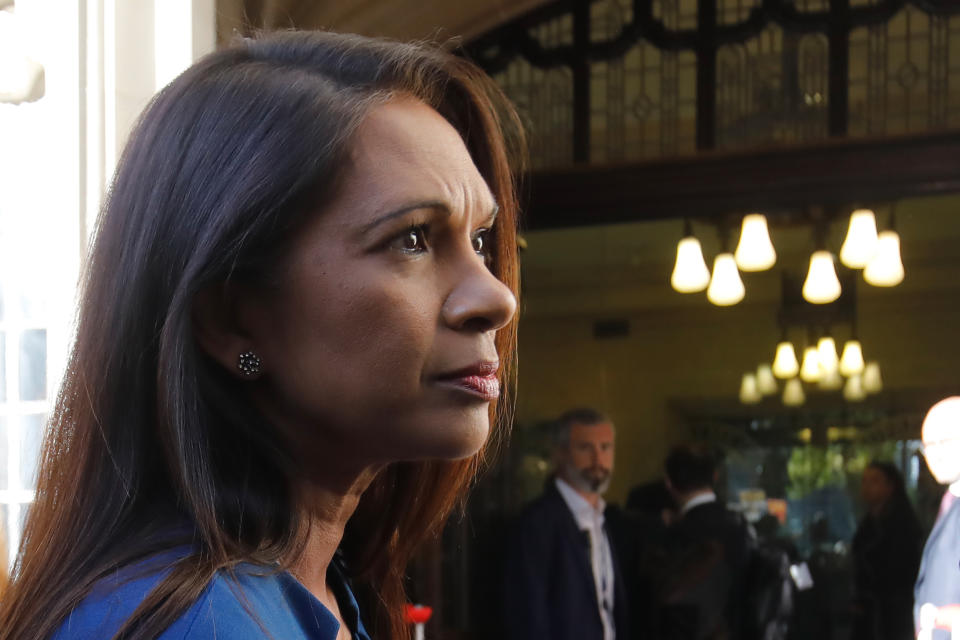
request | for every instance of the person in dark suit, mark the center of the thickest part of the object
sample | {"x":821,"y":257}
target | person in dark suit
{"x":650,"y":509}
{"x":937,"y":591}
{"x":708,"y":552}
{"x":652,"y":499}
{"x":563,"y":578}
{"x":886,"y":556}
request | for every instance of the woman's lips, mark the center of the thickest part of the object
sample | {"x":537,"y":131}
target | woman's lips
{"x":479,"y":380}
{"x":486,"y":387}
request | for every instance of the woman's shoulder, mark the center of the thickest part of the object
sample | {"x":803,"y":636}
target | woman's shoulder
{"x":113,"y":598}
{"x":244,"y":604}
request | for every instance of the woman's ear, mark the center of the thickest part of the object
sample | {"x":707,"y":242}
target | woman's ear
{"x":219,"y":330}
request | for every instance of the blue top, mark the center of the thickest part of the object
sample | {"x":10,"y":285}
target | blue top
{"x":252,"y":603}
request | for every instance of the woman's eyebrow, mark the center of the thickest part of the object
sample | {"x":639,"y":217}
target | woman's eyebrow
{"x":437,"y":205}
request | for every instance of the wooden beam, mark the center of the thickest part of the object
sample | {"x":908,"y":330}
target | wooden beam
{"x":401,"y":19}
{"x":834,"y":172}
{"x":706,"y":75}
{"x":838,"y":35}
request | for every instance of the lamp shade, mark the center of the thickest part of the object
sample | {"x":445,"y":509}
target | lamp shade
{"x":21,"y":79}
{"x":690,"y":273}
{"x":861,"y":242}
{"x":822,"y":285}
{"x":749,"y":393}
{"x":827,"y":352}
{"x":785,"y":363}
{"x":793,"y":393}
{"x":853,"y":390}
{"x":810,"y":370}
{"x":831,"y":381}
{"x":766,"y":382}
{"x":885,"y":269}
{"x":726,"y":287}
{"x":755,"y":252}
{"x":851,"y":362}
{"x":872,"y":381}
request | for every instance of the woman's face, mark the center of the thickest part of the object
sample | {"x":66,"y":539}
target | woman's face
{"x":875,"y":488}
{"x":379,"y":344}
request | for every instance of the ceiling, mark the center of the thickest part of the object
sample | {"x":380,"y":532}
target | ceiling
{"x":401,"y":19}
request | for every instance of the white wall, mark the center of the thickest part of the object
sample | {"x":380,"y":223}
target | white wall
{"x":103,"y":60}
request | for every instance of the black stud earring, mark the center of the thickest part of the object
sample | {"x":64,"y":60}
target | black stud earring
{"x":249,"y":363}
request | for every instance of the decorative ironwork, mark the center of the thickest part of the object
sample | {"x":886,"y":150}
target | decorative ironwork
{"x":772,"y":89}
{"x":619,"y":80}
{"x":544,"y":98}
{"x":644,"y":104}
{"x":901,"y":75}
{"x":645,"y":25}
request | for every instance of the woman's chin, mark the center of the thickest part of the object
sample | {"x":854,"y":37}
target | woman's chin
{"x":452,"y":442}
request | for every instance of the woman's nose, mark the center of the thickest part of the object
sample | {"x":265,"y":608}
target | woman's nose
{"x":479,"y":301}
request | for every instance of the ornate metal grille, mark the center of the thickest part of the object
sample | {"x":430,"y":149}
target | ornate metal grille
{"x":643,"y":104}
{"x":660,"y":78}
{"x":772,"y":89}
{"x":544,"y":98}
{"x":902,"y":77}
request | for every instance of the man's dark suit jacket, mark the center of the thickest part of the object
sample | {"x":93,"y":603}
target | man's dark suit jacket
{"x":549,"y":589}
{"x":709,"y":548}
{"x":939,"y":578}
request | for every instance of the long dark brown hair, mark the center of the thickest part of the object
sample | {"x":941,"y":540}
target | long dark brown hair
{"x":898,"y":505}
{"x":222,"y":168}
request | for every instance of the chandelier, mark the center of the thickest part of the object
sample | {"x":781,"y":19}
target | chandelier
{"x":821,"y":365}
{"x":876,"y":254}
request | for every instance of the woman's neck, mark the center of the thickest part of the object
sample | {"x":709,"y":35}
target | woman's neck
{"x":326,"y":506}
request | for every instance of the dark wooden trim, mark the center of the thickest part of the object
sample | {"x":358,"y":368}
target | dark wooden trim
{"x":714,"y":184}
{"x":706,"y":74}
{"x":838,"y":37}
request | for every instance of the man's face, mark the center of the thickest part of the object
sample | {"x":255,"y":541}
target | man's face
{"x":587,"y":463}
{"x":941,"y":440}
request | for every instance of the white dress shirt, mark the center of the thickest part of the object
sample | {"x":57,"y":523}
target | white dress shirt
{"x":704,"y":498}
{"x":590,"y":520}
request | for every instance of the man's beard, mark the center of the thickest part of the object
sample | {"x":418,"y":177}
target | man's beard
{"x":591,"y":480}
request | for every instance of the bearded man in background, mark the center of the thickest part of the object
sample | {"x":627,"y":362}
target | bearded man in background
{"x":563,"y":578}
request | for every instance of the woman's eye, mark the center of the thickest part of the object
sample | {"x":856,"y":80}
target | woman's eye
{"x":413,"y":240}
{"x":481,"y":243}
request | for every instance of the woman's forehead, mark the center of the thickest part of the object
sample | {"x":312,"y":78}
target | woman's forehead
{"x":404,"y":148}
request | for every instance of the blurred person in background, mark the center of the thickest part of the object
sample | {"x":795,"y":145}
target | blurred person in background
{"x":563,"y":578}
{"x":652,"y":499}
{"x":651,"y":510}
{"x":886,"y":556}
{"x":708,"y":547}
{"x":768,"y":530}
{"x":938,"y":584}
{"x":293,"y":329}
